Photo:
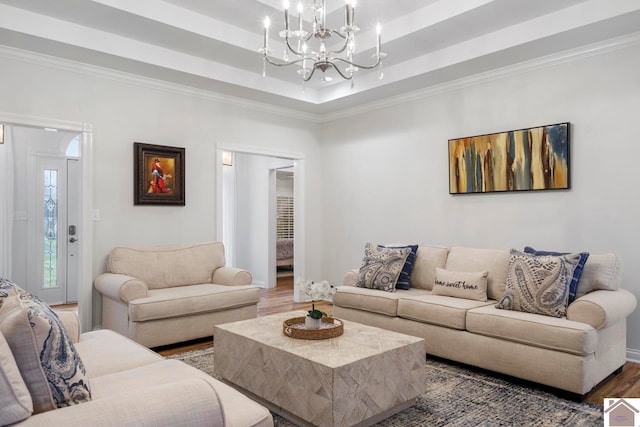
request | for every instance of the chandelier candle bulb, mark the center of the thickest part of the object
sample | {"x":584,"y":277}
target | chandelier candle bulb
{"x":285,"y":4}
{"x":379,"y":31}
{"x":300,"y":9}
{"x":267,"y":23}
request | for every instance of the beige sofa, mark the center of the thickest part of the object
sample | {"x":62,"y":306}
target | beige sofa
{"x":572,"y":353}
{"x":133,"y":386}
{"x":167,"y":294}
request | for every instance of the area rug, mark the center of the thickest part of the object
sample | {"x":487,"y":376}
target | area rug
{"x":461,"y":396}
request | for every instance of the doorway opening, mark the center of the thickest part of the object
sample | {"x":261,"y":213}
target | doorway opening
{"x":260,"y":206}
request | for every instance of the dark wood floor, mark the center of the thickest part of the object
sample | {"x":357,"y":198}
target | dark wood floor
{"x":280,"y":299}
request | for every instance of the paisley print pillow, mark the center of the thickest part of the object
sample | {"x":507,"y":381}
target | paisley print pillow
{"x":539,"y":284}
{"x":381,"y":267}
{"x":48,"y":361}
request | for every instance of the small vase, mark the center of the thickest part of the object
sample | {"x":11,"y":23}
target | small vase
{"x":311,"y":323}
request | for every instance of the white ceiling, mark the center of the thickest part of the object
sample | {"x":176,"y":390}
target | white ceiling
{"x":213,"y":44}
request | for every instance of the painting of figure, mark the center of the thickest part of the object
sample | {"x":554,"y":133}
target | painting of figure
{"x":158,"y":175}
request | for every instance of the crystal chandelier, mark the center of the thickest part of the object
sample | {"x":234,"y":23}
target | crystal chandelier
{"x":319,"y":56}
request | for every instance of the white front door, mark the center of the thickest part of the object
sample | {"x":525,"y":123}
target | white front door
{"x":53,"y":232}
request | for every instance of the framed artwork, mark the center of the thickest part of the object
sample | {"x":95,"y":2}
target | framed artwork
{"x":158,"y":175}
{"x":519,"y":160}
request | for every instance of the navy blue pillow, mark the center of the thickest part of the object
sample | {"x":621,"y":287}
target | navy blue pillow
{"x":403,"y":279}
{"x":576,"y":273}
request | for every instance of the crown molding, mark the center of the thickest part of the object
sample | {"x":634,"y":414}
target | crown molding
{"x":587,"y":51}
{"x":69,"y":65}
{"x":571,"y":55}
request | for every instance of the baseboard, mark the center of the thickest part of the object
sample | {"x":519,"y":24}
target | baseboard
{"x":259,"y":283}
{"x":633,"y":355}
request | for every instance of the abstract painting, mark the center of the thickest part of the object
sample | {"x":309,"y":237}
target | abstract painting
{"x":519,"y":160}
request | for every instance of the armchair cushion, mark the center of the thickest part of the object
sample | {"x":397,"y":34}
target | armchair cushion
{"x":190,"y":300}
{"x":46,"y":357}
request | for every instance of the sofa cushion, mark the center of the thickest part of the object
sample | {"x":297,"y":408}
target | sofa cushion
{"x":48,"y":361}
{"x":601,"y":272}
{"x":461,"y":284}
{"x":437,"y":309}
{"x":405,"y":275}
{"x":381,"y":267}
{"x":372,"y":300}
{"x":539,"y":284}
{"x":15,"y":400}
{"x":190,"y":300}
{"x":168,"y":266}
{"x":533,"y":329}
{"x":573,"y":286}
{"x":104,"y":352}
{"x":495,"y":261}
{"x":428,"y":258}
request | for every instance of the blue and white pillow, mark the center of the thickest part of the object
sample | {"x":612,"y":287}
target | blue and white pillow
{"x":46,"y":356}
{"x":405,"y":274}
{"x":573,"y":286}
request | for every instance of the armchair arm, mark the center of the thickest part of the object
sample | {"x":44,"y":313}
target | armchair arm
{"x":183,"y":403}
{"x":231,"y":276}
{"x":350,"y":278}
{"x":121,"y":287}
{"x":602,"y":308}
{"x":71,"y":323}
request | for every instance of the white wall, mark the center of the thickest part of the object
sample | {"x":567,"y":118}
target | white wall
{"x":385,"y":173}
{"x":123,"y":112}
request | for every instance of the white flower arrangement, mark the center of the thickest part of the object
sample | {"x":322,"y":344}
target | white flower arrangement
{"x":316,"y":290}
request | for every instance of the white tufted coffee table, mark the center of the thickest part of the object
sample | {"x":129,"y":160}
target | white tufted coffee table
{"x":359,"y":378}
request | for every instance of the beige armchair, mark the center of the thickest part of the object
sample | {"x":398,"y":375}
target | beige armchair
{"x":167,"y":294}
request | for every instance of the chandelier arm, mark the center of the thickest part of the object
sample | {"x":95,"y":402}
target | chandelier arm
{"x":364,"y":67}
{"x":294,"y":51}
{"x":343,"y":75}
{"x":338,"y":33}
{"x":282,"y":64}
{"x":308,"y":77}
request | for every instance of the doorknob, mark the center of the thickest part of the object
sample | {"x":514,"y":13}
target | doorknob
{"x":73,"y":239}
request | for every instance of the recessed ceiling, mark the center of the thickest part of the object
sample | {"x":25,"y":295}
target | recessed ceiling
{"x":213,"y":44}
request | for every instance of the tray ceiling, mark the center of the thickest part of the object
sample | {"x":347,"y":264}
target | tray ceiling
{"x":212,"y":44}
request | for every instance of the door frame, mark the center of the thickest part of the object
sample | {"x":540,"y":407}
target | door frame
{"x":85,"y":282}
{"x":299,"y":256}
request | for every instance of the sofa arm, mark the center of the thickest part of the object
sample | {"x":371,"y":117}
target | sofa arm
{"x":71,"y":324}
{"x":602,"y":308}
{"x":231,"y":276}
{"x":121,"y":287}
{"x":350,"y":278}
{"x":188,"y":402}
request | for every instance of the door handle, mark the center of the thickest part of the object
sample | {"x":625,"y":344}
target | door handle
{"x":72,"y":240}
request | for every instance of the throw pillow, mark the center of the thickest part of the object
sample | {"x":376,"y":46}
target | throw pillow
{"x":15,"y":400}
{"x":47,"y":359}
{"x":538,"y":284}
{"x":381,"y":267}
{"x":461,"y":284}
{"x":403,"y":279}
{"x":573,"y":287}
